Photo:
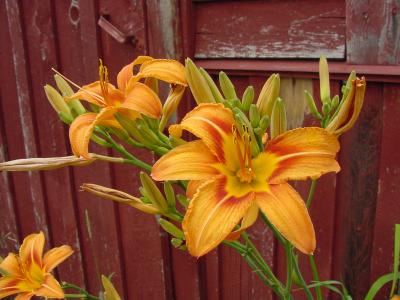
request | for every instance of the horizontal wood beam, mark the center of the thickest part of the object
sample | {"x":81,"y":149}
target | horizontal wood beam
{"x":308,"y":69}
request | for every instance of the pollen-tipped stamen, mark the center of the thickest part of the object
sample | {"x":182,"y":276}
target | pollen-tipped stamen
{"x":245,"y":173}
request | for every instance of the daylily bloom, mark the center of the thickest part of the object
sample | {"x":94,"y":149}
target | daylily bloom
{"x":131,"y":97}
{"x":28,"y":274}
{"x":232,"y":185}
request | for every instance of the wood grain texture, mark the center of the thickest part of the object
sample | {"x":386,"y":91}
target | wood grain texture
{"x":273,"y":29}
{"x":372,"y":32}
{"x":387,"y":207}
{"x":356,"y":194}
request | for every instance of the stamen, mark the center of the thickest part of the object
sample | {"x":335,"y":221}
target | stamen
{"x":99,"y":98}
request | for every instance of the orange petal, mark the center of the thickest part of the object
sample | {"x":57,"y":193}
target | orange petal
{"x":126,"y":72}
{"x":24,"y":296}
{"x":141,"y":98}
{"x":360,"y":86}
{"x":249,"y":218}
{"x":31,"y":249}
{"x":91,"y":93}
{"x":302,"y":153}
{"x":82,"y":128}
{"x":191,"y":161}
{"x":210,"y":122}
{"x":10,"y":265}
{"x":55,"y":256}
{"x":168,"y":70}
{"x":8,"y":286}
{"x":211,"y":216}
{"x":50,"y":288}
{"x":192,"y":187}
{"x":286,"y":210}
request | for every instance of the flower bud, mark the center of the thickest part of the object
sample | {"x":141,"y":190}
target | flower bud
{"x":153,"y":193}
{"x":57,"y":102}
{"x":335,"y":102}
{"x":48,"y":163}
{"x":198,"y":85}
{"x":247,"y":98}
{"x":254,"y":116}
{"x":213,"y":87}
{"x":324,"y":80}
{"x":278,"y":118}
{"x":171,"y":104}
{"x":171,"y":229}
{"x":110,"y":293}
{"x":130,"y":126}
{"x":119,"y":196}
{"x":169,"y":194}
{"x":326,"y":108}
{"x":227,"y":87}
{"x":264,"y":122}
{"x":341,"y":122}
{"x":311,"y":105}
{"x":176,"y":242}
{"x":268,"y":95}
{"x":67,"y":91}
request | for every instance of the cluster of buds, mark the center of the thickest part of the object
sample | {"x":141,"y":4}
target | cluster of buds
{"x":268,"y":112}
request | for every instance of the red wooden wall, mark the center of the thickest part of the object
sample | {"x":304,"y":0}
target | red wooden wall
{"x":354,"y":211}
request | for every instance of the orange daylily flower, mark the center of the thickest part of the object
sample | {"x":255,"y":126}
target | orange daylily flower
{"x":131,"y":97}
{"x":28,"y":274}
{"x":232,"y":185}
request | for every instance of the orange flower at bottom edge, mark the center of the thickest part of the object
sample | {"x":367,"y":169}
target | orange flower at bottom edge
{"x":228,"y":184}
{"x":28,"y":274}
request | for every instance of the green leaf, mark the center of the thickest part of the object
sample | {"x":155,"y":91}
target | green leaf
{"x":378,"y":284}
{"x":396,"y":256}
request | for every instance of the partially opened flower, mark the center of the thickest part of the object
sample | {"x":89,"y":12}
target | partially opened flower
{"x":28,"y":274}
{"x":350,"y":109}
{"x":232,"y":185}
{"x":130,"y":98}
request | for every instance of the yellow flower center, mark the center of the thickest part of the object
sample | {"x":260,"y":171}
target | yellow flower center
{"x":33,"y":278}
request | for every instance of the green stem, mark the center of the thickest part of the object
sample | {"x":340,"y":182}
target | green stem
{"x":263,"y":265}
{"x":311,"y":192}
{"x":302,"y":282}
{"x":249,"y":256}
{"x":130,"y":159}
{"x":289,"y":269}
{"x":314,"y":271}
{"x":83,"y":293}
{"x":311,"y":260}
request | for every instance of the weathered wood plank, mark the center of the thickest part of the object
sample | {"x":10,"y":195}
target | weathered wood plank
{"x":41,"y":48}
{"x":388,"y":208}
{"x":273,"y":29}
{"x":357,"y":189}
{"x":19,"y":122}
{"x":372,"y":33}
